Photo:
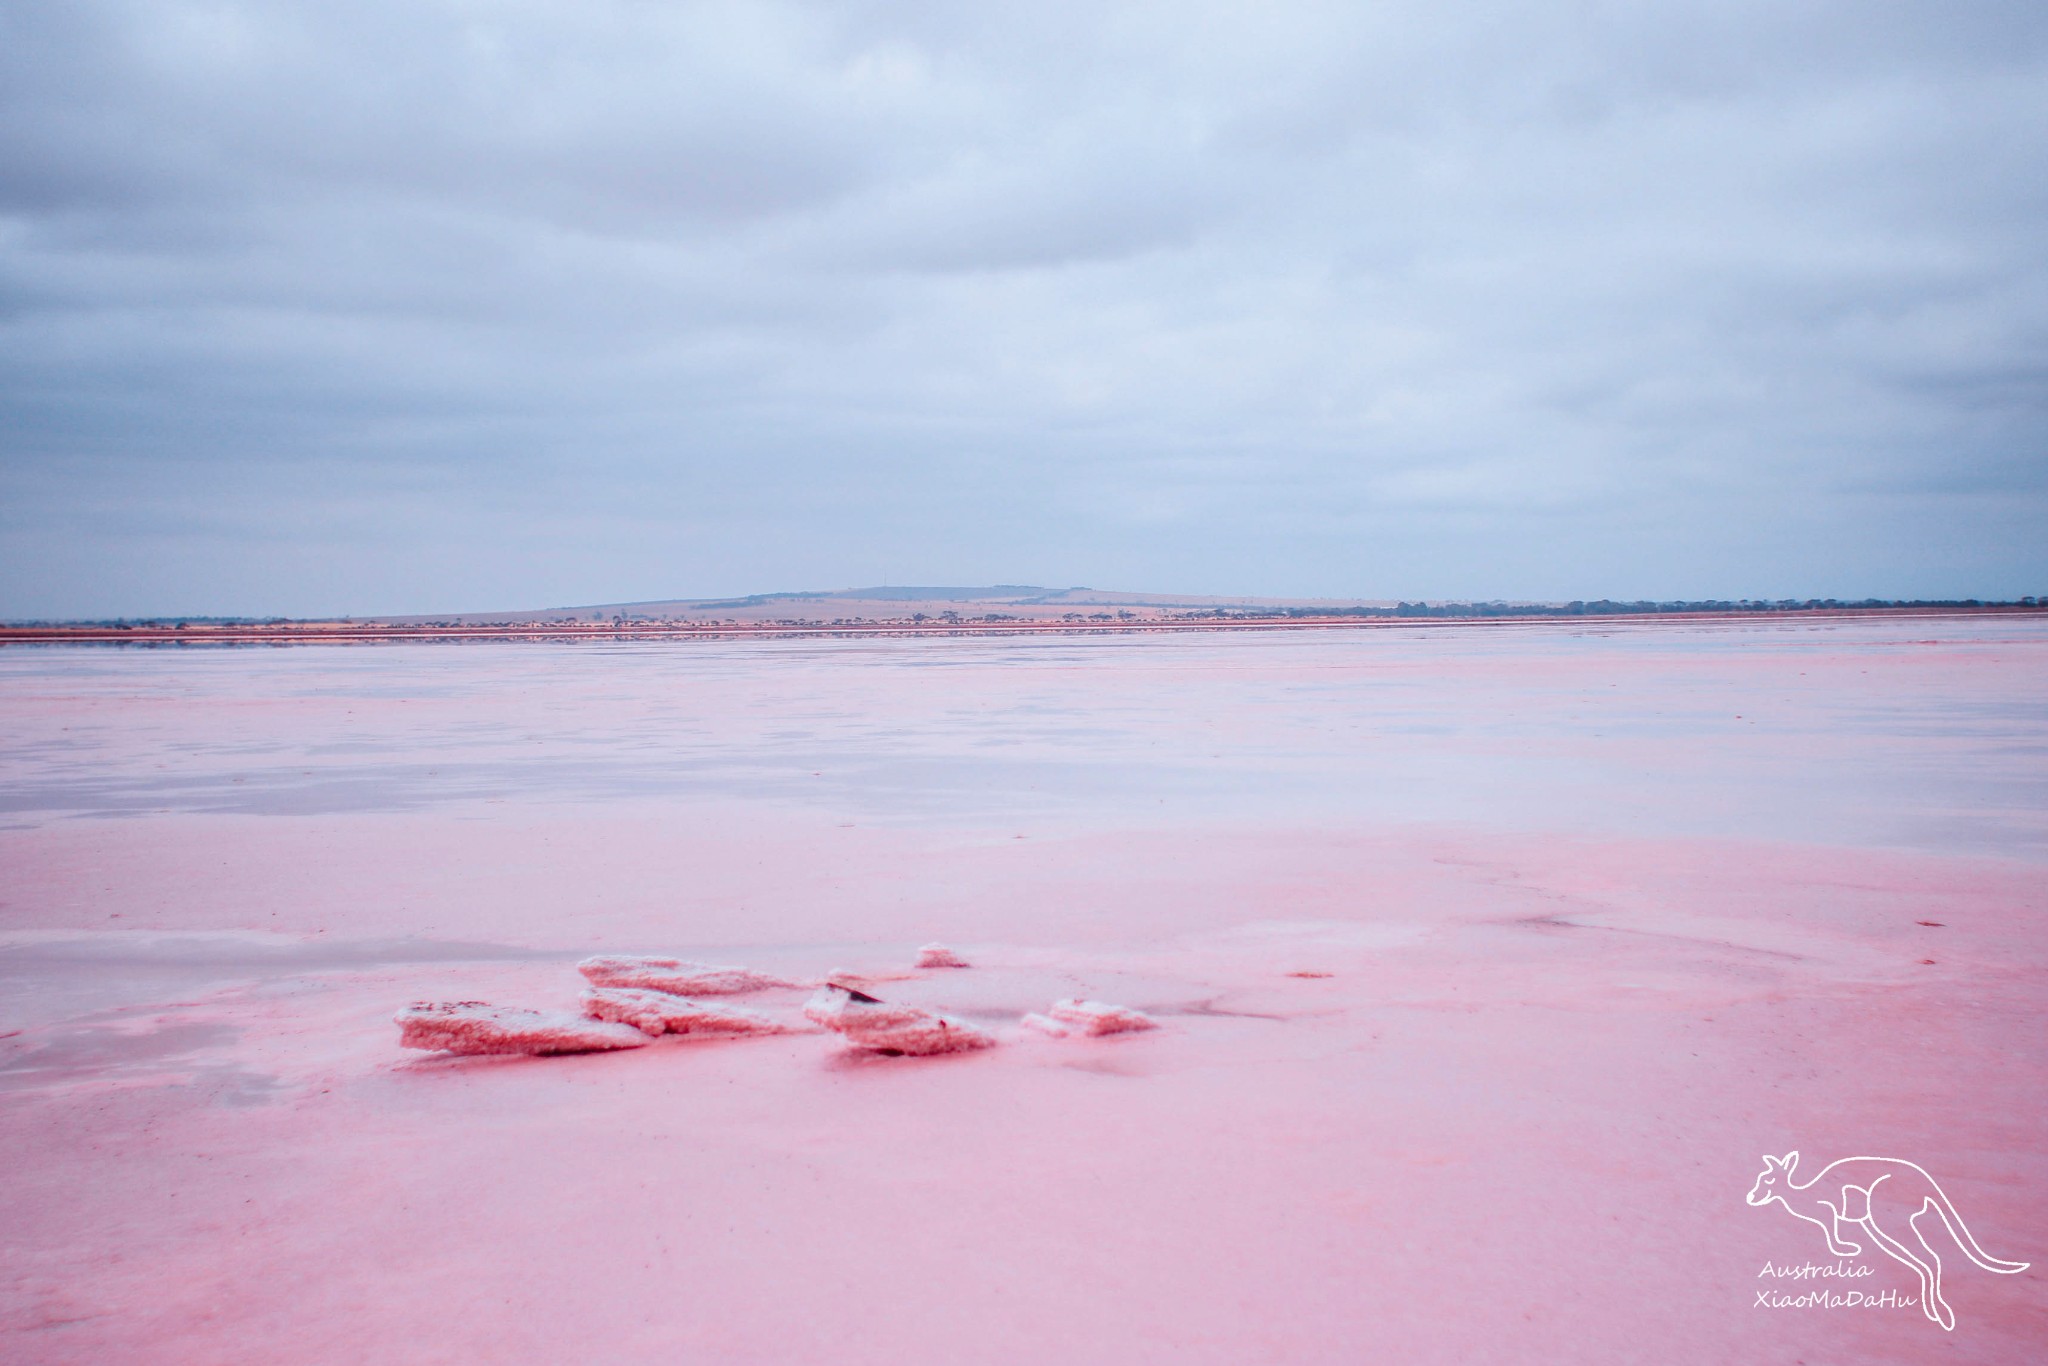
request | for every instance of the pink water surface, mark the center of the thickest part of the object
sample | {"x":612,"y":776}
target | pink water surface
{"x":1489,"y":963}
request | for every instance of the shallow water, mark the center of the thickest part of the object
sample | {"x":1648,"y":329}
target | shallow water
{"x":1909,"y":733}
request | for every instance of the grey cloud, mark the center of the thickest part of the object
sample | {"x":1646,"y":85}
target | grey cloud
{"x":501,"y":304}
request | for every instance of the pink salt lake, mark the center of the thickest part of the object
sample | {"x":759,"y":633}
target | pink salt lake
{"x":1489,"y":963}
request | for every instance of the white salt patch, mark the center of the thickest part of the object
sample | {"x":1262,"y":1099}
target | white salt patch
{"x":1094,"y":1017}
{"x":475,"y":1027}
{"x":939,"y":956}
{"x":657,"y":1012}
{"x":1045,"y":1025}
{"x":885,"y":1028}
{"x":675,"y":976}
{"x":858,"y":981}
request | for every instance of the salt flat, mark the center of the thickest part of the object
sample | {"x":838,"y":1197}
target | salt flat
{"x":1490,"y":962}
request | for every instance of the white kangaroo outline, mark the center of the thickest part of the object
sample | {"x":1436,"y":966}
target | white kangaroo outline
{"x":1857,"y":1183}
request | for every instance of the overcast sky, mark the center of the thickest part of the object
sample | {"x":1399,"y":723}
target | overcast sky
{"x":379,"y":307}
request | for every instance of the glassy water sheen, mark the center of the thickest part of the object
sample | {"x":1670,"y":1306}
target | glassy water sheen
{"x":1920,"y":733}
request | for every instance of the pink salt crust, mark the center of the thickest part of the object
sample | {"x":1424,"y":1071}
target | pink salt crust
{"x":1491,"y":966}
{"x":939,"y":956}
{"x":1090,"y":1018}
{"x":882,"y":1027}
{"x":476,"y":1027}
{"x":657,"y":1012}
{"x":675,"y":976}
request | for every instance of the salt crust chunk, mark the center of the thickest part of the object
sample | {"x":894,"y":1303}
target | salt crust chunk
{"x":675,"y":976}
{"x":475,"y":1027}
{"x":1094,"y":1018}
{"x":939,"y":956}
{"x":884,"y":1028}
{"x":657,"y":1012}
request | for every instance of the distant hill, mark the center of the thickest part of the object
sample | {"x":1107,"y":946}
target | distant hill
{"x":1020,"y":602}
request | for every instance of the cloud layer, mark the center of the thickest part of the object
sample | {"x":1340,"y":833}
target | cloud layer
{"x":422,"y":306}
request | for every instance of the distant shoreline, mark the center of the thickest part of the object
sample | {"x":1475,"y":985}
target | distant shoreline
{"x":364,"y":633}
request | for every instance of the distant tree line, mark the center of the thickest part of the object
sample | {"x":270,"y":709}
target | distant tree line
{"x":1609,"y":607}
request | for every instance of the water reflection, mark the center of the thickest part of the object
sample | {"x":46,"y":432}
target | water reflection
{"x":1930,"y":733}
